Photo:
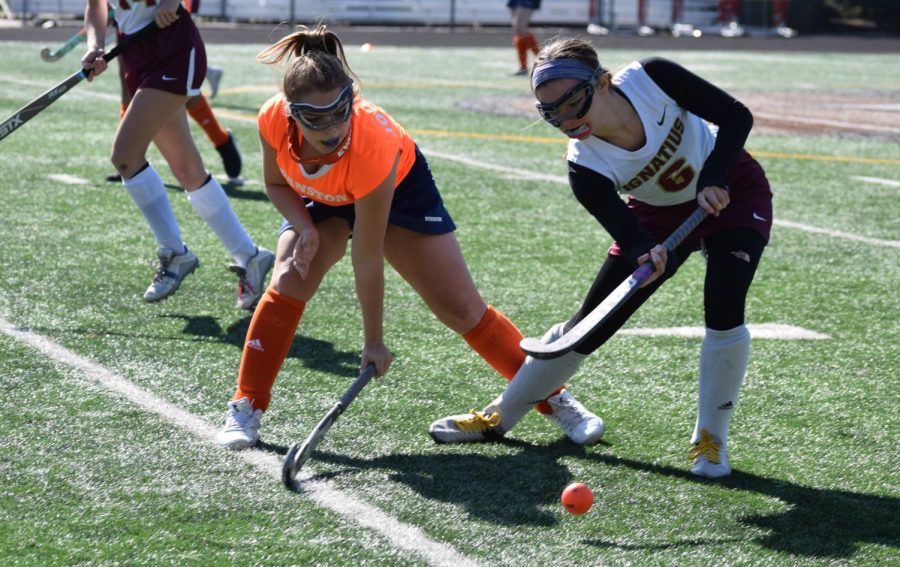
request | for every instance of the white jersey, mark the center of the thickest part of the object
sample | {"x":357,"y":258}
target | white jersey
{"x":133,"y":15}
{"x":664,"y":170}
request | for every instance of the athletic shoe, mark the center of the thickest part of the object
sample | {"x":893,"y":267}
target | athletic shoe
{"x":231,"y":158}
{"x":519,"y":72}
{"x":170,"y":272}
{"x":466,"y":428}
{"x":580,"y":425}
{"x":214,"y":76}
{"x":710,"y":457}
{"x":114,"y":178}
{"x":252,"y":279}
{"x":241,"y":429}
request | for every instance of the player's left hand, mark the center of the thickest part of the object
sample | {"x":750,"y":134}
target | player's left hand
{"x":713,"y":199}
{"x":659,"y":256}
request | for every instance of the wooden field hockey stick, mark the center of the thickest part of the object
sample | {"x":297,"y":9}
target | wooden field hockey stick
{"x":67,"y":46}
{"x":600,"y":314}
{"x":299,"y":453}
{"x":39,"y":104}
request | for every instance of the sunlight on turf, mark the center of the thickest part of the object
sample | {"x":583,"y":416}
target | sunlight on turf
{"x":91,"y":478}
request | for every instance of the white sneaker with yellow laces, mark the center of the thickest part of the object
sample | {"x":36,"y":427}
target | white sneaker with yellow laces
{"x":710,"y":457}
{"x":466,"y":428}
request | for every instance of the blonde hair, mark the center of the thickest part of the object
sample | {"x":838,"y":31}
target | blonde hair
{"x":315,"y":62}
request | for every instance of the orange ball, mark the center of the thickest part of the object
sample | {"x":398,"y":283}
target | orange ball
{"x":577,"y":498}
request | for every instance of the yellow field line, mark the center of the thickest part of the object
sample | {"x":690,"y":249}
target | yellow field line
{"x":244,"y":117}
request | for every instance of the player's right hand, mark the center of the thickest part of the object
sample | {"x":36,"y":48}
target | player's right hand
{"x":167,"y":13}
{"x":94,"y":62}
{"x":305,"y":248}
{"x":378,"y":354}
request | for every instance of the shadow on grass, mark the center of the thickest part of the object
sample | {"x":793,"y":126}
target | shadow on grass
{"x":478,"y":482}
{"x":233,"y":190}
{"x":315,"y":354}
{"x":820,"y":523}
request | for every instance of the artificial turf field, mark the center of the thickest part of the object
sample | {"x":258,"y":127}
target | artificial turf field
{"x":110,"y":404}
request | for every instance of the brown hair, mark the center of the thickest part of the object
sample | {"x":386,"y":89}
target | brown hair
{"x":315,"y":60}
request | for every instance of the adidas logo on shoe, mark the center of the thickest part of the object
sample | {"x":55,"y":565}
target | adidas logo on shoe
{"x":255,"y":344}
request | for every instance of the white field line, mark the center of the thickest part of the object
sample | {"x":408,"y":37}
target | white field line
{"x":524,"y":174}
{"x":838,"y":234}
{"x":403,"y":536}
{"x":876,"y":180}
{"x":757,"y":331}
{"x":67,"y":179}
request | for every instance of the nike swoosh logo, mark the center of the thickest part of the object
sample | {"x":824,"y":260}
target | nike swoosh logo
{"x":661,"y":120}
{"x":759,"y":218}
{"x":167,"y":78}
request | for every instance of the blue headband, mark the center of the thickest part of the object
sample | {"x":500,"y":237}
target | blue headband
{"x":561,"y":69}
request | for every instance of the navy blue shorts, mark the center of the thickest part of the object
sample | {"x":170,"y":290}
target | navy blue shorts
{"x":530,"y":4}
{"x":417,"y":204}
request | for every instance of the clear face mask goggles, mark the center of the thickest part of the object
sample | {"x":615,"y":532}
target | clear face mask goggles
{"x":317,"y":117}
{"x":574,"y":103}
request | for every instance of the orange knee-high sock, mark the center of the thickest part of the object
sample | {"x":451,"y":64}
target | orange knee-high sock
{"x":496,"y":339}
{"x":531,"y":43}
{"x":521,"y":50}
{"x":268,"y":341}
{"x":204,"y":116}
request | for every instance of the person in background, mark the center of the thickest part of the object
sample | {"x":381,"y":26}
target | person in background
{"x":198,"y":108}
{"x":523,"y":40}
{"x":162,"y":72}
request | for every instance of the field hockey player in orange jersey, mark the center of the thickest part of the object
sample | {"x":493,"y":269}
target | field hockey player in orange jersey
{"x":336,"y":165}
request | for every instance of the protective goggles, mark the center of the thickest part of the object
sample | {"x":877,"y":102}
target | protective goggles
{"x":575,"y":103}
{"x":321,"y":117}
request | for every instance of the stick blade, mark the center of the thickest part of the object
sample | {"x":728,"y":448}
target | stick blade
{"x":47,"y":56}
{"x":295,"y":458}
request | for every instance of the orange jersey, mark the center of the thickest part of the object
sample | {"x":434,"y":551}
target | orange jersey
{"x":375,"y":140}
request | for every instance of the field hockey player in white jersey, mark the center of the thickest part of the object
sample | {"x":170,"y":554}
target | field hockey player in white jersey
{"x":670,"y":141}
{"x":162,"y":72}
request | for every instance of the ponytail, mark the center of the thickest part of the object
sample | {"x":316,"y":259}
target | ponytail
{"x":315,"y":60}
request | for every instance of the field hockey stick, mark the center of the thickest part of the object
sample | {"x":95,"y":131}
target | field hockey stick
{"x":69,"y":45}
{"x":613,"y":301}
{"x":39,"y":104}
{"x":299,"y":453}
{"x":72,"y":42}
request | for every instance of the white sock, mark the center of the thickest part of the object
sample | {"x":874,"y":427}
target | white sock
{"x":149,"y":194}
{"x":211,"y":203}
{"x":533,"y":383}
{"x":723,"y":363}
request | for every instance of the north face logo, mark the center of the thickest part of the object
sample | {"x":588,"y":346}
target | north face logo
{"x":726,"y":406}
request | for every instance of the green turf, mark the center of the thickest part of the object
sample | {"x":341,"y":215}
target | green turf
{"x":87,"y":477}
